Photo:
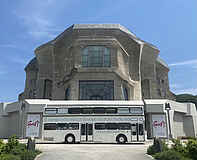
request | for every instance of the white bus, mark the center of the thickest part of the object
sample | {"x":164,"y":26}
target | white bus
{"x":94,"y":121}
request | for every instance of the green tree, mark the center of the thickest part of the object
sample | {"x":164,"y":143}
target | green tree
{"x":187,"y":98}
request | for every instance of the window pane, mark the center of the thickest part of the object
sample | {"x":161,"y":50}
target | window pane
{"x":123,"y":110}
{"x":141,"y":129}
{"x":124,"y":126}
{"x":136,"y":110}
{"x":90,"y":129}
{"x":50,"y":126}
{"x":50,"y":110}
{"x":74,"y":110}
{"x":73,"y":126}
{"x":96,"y":56}
{"x":111,"y":126}
{"x":99,"y":110}
{"x":111,"y":110}
{"x":99,"y":126}
{"x":96,"y":90}
{"x":62,"y":110}
{"x":62,"y":126}
{"x":83,"y":129}
{"x":87,"y":110}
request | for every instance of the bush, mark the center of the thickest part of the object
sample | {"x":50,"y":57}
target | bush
{"x":179,"y":147}
{"x":13,"y":150}
{"x":9,"y":157}
{"x":19,"y":149}
{"x":169,"y":155}
{"x":192,"y":149}
{"x":28,"y":155}
{"x":158,"y":146}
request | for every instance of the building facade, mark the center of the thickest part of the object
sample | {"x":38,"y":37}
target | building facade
{"x":96,"y":62}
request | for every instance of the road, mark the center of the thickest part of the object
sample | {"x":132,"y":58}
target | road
{"x":92,"y":152}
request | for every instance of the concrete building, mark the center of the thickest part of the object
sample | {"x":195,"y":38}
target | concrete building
{"x":97,"y":61}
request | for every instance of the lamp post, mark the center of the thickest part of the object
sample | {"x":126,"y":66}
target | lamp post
{"x":168,"y":108}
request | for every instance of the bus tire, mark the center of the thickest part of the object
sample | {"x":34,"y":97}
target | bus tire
{"x":121,"y":139}
{"x":70,"y":139}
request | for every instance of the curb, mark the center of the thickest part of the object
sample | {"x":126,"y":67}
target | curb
{"x":149,"y":156}
{"x":38,"y":156}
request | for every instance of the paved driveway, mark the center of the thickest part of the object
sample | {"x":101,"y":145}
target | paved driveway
{"x":92,"y":152}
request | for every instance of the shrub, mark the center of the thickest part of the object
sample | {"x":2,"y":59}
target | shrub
{"x":28,"y":155}
{"x":19,"y":149}
{"x":158,"y":146}
{"x":9,"y":157}
{"x":1,"y":142}
{"x":179,"y":147}
{"x":192,"y":148}
{"x":169,"y":155}
{"x":12,"y":142}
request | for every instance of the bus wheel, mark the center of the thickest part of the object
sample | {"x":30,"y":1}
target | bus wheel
{"x":121,"y":139}
{"x":70,"y":139}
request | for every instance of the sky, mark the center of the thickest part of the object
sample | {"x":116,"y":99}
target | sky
{"x":169,"y":25}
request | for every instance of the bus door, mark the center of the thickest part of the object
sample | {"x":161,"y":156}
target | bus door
{"x":134,"y":132}
{"x":141,"y":132}
{"x":87,"y":132}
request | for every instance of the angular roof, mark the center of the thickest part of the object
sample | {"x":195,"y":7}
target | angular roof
{"x":100,"y":26}
{"x":159,"y":60}
{"x":32,"y":65}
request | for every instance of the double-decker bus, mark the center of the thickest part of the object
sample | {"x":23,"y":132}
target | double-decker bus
{"x":94,"y":121}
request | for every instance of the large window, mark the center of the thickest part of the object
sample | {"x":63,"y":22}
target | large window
{"x":96,"y":56}
{"x":96,"y":90}
{"x":48,"y":85}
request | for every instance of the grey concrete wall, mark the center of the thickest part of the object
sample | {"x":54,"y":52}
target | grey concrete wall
{"x":178,"y":125}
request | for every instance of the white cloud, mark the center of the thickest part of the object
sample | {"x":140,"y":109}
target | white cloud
{"x":35,"y":16}
{"x":189,"y":62}
{"x":192,"y":91}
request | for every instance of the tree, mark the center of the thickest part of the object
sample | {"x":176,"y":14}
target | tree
{"x":187,"y":98}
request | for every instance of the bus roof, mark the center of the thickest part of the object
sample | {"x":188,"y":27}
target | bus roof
{"x":83,"y":102}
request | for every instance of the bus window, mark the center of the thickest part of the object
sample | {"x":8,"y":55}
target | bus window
{"x":62,"y":126}
{"x":111,"y":110}
{"x":51,"y":111}
{"x":87,"y":110}
{"x":141,"y":129}
{"x":99,"y":126}
{"x":83,"y":129}
{"x":73,"y":126}
{"x":134,"y":129}
{"x":90,"y":129}
{"x":74,"y":110}
{"x":99,"y":110}
{"x":111,"y":126}
{"x":62,"y":110}
{"x":124,"y":126}
{"x":123,"y":110}
{"x":50,"y":126}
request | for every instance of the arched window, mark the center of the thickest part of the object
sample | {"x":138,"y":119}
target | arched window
{"x":96,"y":56}
{"x":67,"y":93}
{"x":48,"y":84}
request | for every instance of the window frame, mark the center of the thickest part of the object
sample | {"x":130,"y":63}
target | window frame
{"x":93,"y":53}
